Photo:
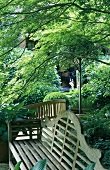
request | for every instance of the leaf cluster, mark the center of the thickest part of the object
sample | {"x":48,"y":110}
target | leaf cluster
{"x":9,"y":112}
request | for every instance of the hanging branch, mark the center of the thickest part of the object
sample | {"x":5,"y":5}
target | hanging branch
{"x":69,"y":4}
{"x":6,"y":4}
{"x":99,"y":61}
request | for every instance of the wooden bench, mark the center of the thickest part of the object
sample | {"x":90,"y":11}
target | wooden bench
{"x":59,"y":140}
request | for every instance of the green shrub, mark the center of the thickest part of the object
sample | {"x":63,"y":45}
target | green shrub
{"x":74,"y":99}
{"x":97,"y":90}
{"x":106,"y":111}
{"x":96,"y":128}
{"x":88,"y":96}
{"x":37,"y":94}
{"x":56,"y":95}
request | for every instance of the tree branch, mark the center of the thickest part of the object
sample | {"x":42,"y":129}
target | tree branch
{"x":50,"y":6}
{"x":6,"y":4}
{"x":108,"y":35}
{"x":85,"y":21}
{"x":91,"y":9}
{"x":30,"y":78}
{"x":12,"y":48}
{"x":95,"y":59}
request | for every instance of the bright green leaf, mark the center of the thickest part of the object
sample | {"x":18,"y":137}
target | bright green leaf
{"x":17,"y":166}
{"x":40,"y":165}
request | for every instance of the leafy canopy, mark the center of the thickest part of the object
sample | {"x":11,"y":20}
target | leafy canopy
{"x":64,"y":31}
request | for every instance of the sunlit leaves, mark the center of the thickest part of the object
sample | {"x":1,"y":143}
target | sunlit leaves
{"x":65,"y":30}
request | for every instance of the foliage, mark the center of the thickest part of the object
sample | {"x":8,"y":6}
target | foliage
{"x":16,"y":85}
{"x":106,"y":111}
{"x":3,"y":131}
{"x":94,"y":17}
{"x":64,"y":31}
{"x":96,"y":127}
{"x":40,"y":165}
{"x":97,"y":90}
{"x":17,"y":166}
{"x":74,"y":99}
{"x":97,"y":124}
{"x":106,"y":154}
{"x":90,"y":167}
{"x":56,"y":95}
{"x":40,"y":89}
{"x":37,"y":95}
{"x":10,"y":112}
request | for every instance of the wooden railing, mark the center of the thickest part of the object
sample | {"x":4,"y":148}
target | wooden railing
{"x":49,"y":109}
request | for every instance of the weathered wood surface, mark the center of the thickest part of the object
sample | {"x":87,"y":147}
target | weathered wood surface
{"x":68,"y":144}
{"x":48,"y":109}
{"x":61,"y":143}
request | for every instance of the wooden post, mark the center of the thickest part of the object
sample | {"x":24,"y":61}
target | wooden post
{"x":54,"y":109}
{"x":9,"y":132}
{"x":80,"y":86}
{"x":9,"y":140}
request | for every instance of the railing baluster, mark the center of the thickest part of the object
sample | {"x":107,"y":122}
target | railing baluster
{"x":48,"y":109}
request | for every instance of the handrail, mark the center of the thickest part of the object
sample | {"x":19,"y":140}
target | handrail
{"x":48,"y":109}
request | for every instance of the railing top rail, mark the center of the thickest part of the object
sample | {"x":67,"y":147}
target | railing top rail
{"x":34,"y":106}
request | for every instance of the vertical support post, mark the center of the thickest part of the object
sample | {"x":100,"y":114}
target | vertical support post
{"x":80,"y":86}
{"x":9,"y":140}
{"x":30,"y":132}
{"x":54,"y":114}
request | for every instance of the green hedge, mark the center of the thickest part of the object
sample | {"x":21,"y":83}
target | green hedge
{"x":56,"y":95}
